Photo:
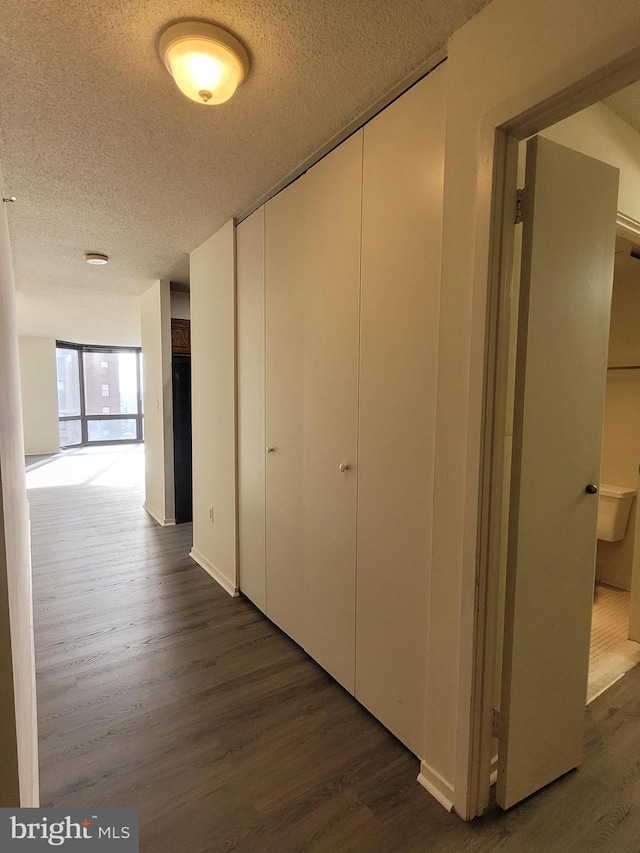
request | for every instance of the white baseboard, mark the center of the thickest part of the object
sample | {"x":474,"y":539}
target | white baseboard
{"x":156,"y":516}
{"x":216,"y":574}
{"x":436,"y":785}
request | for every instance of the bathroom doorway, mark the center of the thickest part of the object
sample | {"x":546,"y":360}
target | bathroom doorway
{"x":614,"y":633}
{"x":615,"y":627}
{"x":552,"y":449}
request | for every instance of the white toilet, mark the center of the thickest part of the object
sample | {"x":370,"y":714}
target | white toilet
{"x":614,"y":506}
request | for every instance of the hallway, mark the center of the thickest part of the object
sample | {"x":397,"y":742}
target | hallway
{"x":158,"y":690}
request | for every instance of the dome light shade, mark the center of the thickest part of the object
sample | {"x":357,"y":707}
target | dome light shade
{"x":96,"y":259}
{"x":206,"y":62}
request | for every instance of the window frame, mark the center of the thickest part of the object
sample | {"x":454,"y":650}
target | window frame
{"x":83,"y":417}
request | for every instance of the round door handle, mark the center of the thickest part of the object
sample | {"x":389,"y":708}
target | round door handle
{"x":271,"y":450}
{"x":344,"y":467}
{"x":591,"y":489}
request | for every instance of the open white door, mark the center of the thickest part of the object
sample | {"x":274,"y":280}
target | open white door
{"x":569,"y":212}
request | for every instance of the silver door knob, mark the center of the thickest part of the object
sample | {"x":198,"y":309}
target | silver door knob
{"x":271,"y":450}
{"x":344,"y":467}
{"x":591,"y":489}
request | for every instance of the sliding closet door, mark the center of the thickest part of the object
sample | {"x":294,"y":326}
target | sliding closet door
{"x":332,"y":284}
{"x":251,"y":434}
{"x":402,"y":213}
{"x":285,"y":229}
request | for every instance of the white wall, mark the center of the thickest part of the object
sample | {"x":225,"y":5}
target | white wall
{"x":38,"y":380}
{"x":108,"y":319}
{"x":18,"y":720}
{"x":155,"y":312}
{"x":621,"y":442}
{"x":506,"y":60}
{"x":213,"y":395}
{"x":621,"y":445}
{"x":180,"y":305}
{"x":600,"y":133}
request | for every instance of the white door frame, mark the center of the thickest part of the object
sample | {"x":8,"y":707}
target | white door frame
{"x":590,"y":89}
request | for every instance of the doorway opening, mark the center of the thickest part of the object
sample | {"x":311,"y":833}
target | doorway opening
{"x":614,"y":633}
{"x":615,"y":626}
{"x":610,"y":596}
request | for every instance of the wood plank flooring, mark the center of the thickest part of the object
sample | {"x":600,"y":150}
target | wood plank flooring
{"x":157,"y":690}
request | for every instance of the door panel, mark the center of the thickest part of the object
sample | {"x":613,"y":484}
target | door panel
{"x":182,"y":465}
{"x":285,"y":217}
{"x":332,"y":292}
{"x":401,"y":236}
{"x":567,"y":268}
{"x":251,"y":396}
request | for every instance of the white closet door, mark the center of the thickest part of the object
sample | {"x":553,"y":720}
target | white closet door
{"x":251,"y":434}
{"x":285,"y":217}
{"x":332,"y":284}
{"x":402,"y":214}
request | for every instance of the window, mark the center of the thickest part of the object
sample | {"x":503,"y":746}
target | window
{"x":123,"y":429}
{"x":68,"y":383}
{"x":70,"y":433}
{"x":84,"y":417}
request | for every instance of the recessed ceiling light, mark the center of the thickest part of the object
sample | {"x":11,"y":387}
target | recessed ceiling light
{"x":96,"y":259}
{"x":206,"y":62}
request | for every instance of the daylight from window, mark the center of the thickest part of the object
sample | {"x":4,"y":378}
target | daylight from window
{"x":99,"y":394}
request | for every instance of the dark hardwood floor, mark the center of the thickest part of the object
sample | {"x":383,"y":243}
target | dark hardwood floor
{"x":157,"y":690}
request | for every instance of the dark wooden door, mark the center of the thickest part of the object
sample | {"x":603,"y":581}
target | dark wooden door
{"x":182,"y":437}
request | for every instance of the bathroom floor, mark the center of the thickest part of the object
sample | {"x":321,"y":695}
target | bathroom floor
{"x":612,"y":653}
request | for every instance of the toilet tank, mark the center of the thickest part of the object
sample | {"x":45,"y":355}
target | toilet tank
{"x":614,"y":506}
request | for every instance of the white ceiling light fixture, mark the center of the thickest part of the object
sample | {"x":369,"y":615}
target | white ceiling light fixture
{"x":96,"y":259}
{"x":206,"y":62}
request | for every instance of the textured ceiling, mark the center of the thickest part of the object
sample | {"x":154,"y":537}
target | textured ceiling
{"x":105,"y":155}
